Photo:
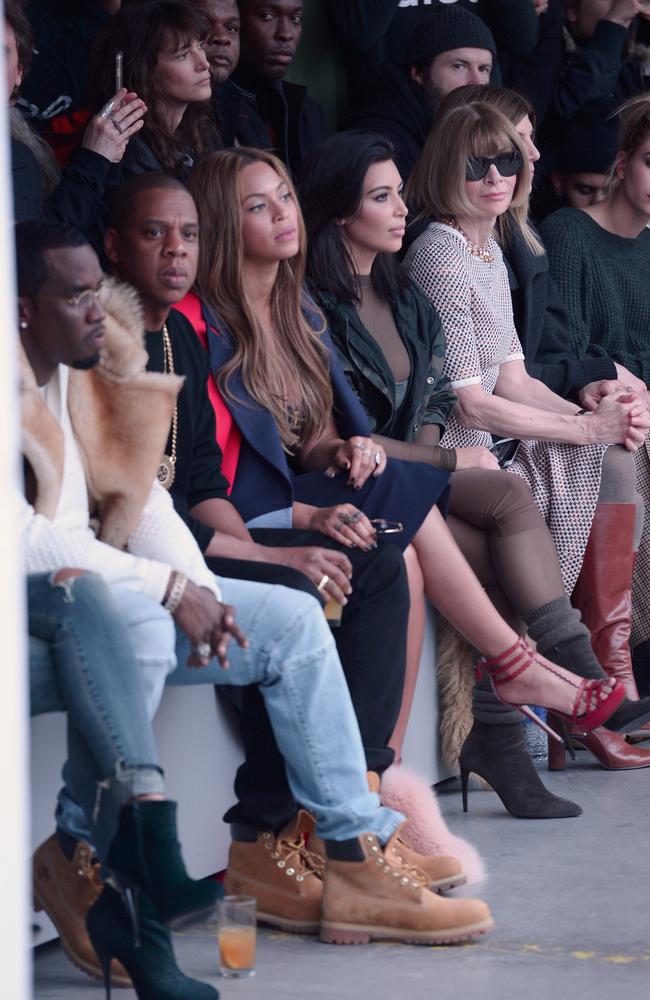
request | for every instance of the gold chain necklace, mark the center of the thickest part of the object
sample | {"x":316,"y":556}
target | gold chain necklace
{"x":167,"y":468}
{"x":476,"y":251}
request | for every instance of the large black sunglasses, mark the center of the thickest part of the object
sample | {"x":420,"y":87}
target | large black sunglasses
{"x":508,"y":164}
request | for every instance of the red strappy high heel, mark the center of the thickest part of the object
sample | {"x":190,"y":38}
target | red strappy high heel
{"x":519,"y":657}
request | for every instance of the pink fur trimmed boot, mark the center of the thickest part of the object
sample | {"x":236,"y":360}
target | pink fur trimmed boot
{"x":426,"y":830}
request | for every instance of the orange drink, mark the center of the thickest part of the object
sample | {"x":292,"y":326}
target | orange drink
{"x":236,"y":934}
{"x":237,"y":947}
{"x":333,"y":612}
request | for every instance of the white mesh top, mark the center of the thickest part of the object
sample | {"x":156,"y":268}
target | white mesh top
{"x":472,"y":297}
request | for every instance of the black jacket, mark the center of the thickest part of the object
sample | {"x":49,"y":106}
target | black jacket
{"x":280,"y":115}
{"x":599,"y":71}
{"x":64,"y":34}
{"x":237,"y":117}
{"x":198,"y":456}
{"x":543,"y":325}
{"x":78,"y":198}
{"x":429,"y":397}
{"x":401,"y":111}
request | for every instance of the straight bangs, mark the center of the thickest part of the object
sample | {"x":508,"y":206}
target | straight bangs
{"x":173,"y":41}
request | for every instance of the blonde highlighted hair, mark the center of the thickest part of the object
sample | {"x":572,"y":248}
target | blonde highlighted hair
{"x":634,"y":128}
{"x":437,"y":185}
{"x":299,"y":363}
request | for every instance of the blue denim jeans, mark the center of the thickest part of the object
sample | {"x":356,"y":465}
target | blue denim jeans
{"x":293,"y":658}
{"x":81,"y":662}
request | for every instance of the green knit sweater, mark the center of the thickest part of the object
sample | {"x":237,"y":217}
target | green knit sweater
{"x":604,"y":281}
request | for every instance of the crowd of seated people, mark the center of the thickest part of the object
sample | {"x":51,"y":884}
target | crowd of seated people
{"x":247,"y":349}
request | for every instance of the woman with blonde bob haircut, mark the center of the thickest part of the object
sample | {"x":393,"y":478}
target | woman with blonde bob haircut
{"x":473,"y":170}
{"x":544,"y":330}
{"x":437,"y":184}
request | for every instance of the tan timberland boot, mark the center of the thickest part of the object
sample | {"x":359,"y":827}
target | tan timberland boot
{"x":66,"y":890}
{"x":443,"y":871}
{"x":374,"y":900}
{"x":280,"y":873}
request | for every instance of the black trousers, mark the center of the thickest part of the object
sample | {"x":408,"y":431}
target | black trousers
{"x":371,"y":642}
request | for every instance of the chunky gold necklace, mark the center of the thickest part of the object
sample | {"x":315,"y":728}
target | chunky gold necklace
{"x":167,"y":468}
{"x":481,"y":252}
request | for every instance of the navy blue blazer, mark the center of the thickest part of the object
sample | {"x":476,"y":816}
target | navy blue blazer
{"x":264,"y":480}
{"x":266,"y":487}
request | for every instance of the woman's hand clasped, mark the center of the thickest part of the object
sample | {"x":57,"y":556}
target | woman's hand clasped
{"x":361,"y":457}
{"x":346,"y":524}
{"x":620,"y":419}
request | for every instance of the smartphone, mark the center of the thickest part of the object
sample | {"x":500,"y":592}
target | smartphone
{"x":505,"y":450}
{"x":118,"y":70}
{"x":384,"y":527}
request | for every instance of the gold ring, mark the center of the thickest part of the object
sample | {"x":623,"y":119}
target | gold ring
{"x":323,"y":583}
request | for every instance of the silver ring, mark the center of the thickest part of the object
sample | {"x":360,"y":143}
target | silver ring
{"x":323,"y":582}
{"x":106,"y":110}
{"x":377,"y":458}
{"x":117,"y":126}
{"x":203,"y":650}
{"x":361,"y":447}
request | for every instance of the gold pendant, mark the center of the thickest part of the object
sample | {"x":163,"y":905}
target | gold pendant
{"x":166,"y":472}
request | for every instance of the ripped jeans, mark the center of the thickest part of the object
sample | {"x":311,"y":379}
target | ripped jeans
{"x":81,"y":661}
{"x":293,"y":658}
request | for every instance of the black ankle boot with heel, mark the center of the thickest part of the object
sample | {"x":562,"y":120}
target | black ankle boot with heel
{"x":150,"y":960}
{"x":498,"y":754}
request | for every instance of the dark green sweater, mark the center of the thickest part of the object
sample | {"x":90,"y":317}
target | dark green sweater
{"x":603,"y":280}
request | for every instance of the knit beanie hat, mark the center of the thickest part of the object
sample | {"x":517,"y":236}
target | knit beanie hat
{"x":587,"y":143}
{"x":449,"y":27}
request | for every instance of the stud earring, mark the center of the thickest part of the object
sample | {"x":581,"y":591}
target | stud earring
{"x":23,"y":324}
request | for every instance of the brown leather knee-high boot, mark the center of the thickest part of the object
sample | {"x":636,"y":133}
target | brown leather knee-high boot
{"x":603,"y":595}
{"x":603,"y":592}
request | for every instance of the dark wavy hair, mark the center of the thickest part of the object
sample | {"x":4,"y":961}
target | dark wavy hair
{"x":331,"y":188}
{"x":140,"y":31}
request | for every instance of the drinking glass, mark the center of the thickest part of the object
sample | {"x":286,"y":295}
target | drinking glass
{"x":236,"y":933}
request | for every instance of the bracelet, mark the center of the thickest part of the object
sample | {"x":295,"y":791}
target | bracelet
{"x":579,"y":413}
{"x":176,"y":592}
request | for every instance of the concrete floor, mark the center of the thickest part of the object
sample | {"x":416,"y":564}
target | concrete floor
{"x":571,"y":900}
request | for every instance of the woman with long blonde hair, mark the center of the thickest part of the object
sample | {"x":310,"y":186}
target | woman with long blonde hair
{"x":302,"y":467}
